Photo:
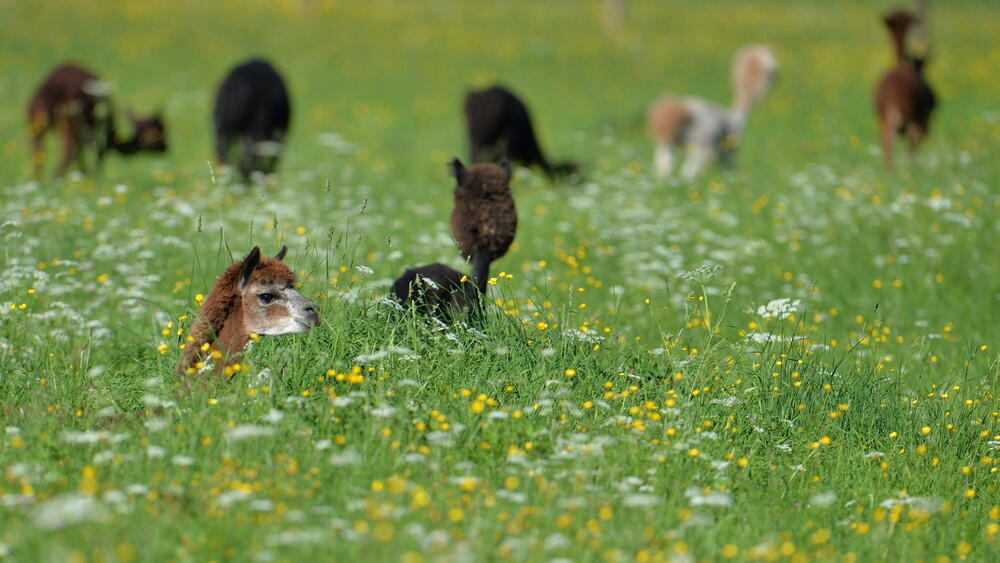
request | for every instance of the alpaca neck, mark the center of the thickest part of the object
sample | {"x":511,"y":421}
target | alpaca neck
{"x":739,"y":111}
{"x":233,"y":337}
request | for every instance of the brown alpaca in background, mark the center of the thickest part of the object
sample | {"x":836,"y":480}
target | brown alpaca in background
{"x":254,"y":296}
{"x":74,"y":101}
{"x":484,"y":219}
{"x":436,"y":290}
{"x":904,"y":100}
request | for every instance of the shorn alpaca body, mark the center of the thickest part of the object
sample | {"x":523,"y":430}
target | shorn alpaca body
{"x":436,"y":290}
{"x":74,"y":101}
{"x":252,"y":108}
{"x":904,"y":100}
{"x":484,"y":219}
{"x":499,"y":127}
{"x":254,"y":296}
{"x":707,"y":131}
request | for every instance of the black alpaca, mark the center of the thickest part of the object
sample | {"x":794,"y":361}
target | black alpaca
{"x":252,"y":107}
{"x":436,"y":290}
{"x":484,"y":219}
{"x":499,"y":126}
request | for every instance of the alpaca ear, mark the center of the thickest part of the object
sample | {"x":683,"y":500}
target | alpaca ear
{"x":250,"y":264}
{"x":281,"y":253}
{"x":458,"y":170}
{"x":505,"y":165}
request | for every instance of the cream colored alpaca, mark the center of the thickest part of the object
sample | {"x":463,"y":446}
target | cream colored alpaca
{"x":708,"y":131}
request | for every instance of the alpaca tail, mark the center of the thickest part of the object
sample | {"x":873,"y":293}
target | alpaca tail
{"x":481,"y":269}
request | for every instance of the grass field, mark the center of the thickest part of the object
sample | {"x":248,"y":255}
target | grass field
{"x":639,"y":392}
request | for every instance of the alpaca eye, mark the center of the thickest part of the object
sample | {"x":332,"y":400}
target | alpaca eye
{"x":267,"y":297}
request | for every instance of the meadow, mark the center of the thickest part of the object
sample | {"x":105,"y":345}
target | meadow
{"x":796,"y":359}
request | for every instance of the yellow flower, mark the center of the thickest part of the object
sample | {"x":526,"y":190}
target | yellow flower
{"x":820,"y":536}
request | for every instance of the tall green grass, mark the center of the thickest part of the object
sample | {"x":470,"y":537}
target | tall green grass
{"x":630,"y":396}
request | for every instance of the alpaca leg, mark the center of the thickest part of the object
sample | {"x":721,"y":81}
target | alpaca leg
{"x":698,"y":157}
{"x":888,"y":130}
{"x":915,"y":133}
{"x":663,"y":160}
{"x":37,"y":153}
{"x":71,"y":146}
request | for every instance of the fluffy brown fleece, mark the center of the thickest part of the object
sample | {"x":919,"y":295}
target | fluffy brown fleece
{"x":484,"y":219}
{"x":220,"y":320}
{"x":904,"y":100}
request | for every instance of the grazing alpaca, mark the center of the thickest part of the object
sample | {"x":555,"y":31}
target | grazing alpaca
{"x":709,"y":131}
{"x":903,"y":98}
{"x":484,"y":219}
{"x":252,"y":107}
{"x":500,"y":128}
{"x":436,"y":290}
{"x":73,"y":100}
{"x":254,"y":296}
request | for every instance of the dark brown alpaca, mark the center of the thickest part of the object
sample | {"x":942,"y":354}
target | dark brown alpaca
{"x":75,"y":101}
{"x":484,"y":219}
{"x":436,"y":290}
{"x":903,"y":98}
{"x":253,"y":296}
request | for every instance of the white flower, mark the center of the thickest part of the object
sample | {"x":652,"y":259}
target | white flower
{"x":727,"y":402}
{"x":779,"y":308}
{"x":157,"y":424}
{"x":273,"y":416}
{"x":68,"y":509}
{"x":229,"y":497}
{"x":182,"y":460}
{"x":91,"y":437}
{"x":640,"y":501}
{"x":823,"y":499}
{"x":244,"y":431}
{"x":697,"y":497}
{"x":346,"y":457}
{"x":384,"y":411}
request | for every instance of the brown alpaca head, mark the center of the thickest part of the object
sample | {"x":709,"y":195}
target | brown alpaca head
{"x":899,"y":22}
{"x":754,"y":72}
{"x":271,"y":305}
{"x":254,"y":296}
{"x":481,"y":180}
{"x":150,"y":134}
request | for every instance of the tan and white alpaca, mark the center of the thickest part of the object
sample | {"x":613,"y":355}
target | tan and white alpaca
{"x":708,"y":131}
{"x":254,"y":296}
